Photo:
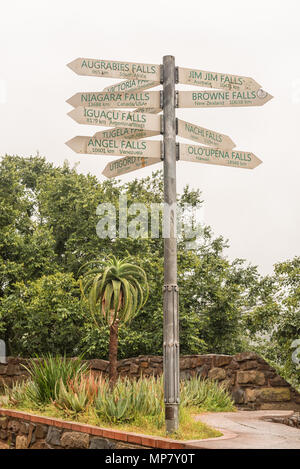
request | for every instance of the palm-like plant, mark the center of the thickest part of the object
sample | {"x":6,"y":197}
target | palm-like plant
{"x":115,"y":291}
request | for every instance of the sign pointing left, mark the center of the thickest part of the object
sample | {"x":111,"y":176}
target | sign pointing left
{"x":113,"y":147}
{"x":141,"y":99}
{"x":115,"y":69}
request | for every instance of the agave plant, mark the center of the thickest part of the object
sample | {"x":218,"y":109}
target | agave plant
{"x":115,"y":290}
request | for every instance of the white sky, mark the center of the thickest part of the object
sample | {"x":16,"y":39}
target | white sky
{"x":257,"y":210}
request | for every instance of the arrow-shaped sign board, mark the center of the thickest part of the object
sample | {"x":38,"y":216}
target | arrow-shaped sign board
{"x":115,"y":69}
{"x":119,"y":132}
{"x":127,"y":99}
{"x":115,"y":117}
{"x":222,"y":98}
{"x":122,"y":147}
{"x":234,"y":159}
{"x":189,"y":76}
{"x":126,"y":165}
{"x":131,"y":85}
{"x":202,"y":135}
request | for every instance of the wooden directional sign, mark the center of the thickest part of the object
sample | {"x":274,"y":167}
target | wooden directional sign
{"x":115,"y":117}
{"x":119,"y":132}
{"x":216,"y":80}
{"x":202,"y":135}
{"x":126,"y":165}
{"x":222,"y":98}
{"x":234,"y":159}
{"x":113,"y":147}
{"x":115,"y":69}
{"x":127,"y":99}
{"x":131,"y":85}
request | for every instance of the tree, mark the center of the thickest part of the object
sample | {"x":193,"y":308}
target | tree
{"x":275,"y":321}
{"x":115,"y":290}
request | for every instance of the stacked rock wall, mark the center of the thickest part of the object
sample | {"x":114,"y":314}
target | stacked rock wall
{"x":253,"y":383}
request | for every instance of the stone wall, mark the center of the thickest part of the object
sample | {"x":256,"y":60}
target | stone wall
{"x":253,"y":383}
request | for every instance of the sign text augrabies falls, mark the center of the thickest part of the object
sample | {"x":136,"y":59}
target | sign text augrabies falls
{"x":115,"y":69}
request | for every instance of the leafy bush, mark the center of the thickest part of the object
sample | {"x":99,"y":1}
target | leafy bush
{"x":48,"y":373}
{"x":206,"y":394}
{"x":78,"y":393}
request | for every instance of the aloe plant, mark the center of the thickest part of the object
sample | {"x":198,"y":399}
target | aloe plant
{"x":48,"y":372}
{"x":115,"y":291}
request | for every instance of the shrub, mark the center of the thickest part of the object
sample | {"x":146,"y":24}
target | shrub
{"x":48,"y":373}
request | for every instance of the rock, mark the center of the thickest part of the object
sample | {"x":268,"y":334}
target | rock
{"x":240,"y":357}
{"x":41,"y":431}
{"x":134,"y":368}
{"x":3,"y":435}
{"x":221,"y":360}
{"x":14,"y":426}
{"x":98,"y":364}
{"x":238,"y":396}
{"x":233,"y":365}
{"x":250,"y":395}
{"x":144,"y":364}
{"x":274,"y":394}
{"x":202,"y":371}
{"x":21,"y":442}
{"x":253,"y":377}
{"x":3,"y":369}
{"x":75,"y":440}
{"x":3,"y":422}
{"x":156,"y":359}
{"x":184,"y":374}
{"x":31,"y":434}
{"x":217,"y":373}
{"x":277,"y":381}
{"x":40,"y":444}
{"x":53,"y":436}
{"x":249,"y":365}
{"x":24,"y":428}
{"x":99,"y":443}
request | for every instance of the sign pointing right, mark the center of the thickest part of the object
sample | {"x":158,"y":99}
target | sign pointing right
{"x":205,"y":79}
{"x":202,"y":135}
{"x":234,"y":159}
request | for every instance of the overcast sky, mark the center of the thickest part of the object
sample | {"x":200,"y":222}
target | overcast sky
{"x":258,"y":210}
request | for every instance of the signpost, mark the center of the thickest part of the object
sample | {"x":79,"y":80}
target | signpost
{"x":130,"y":85}
{"x":119,"y":132}
{"x":126,"y":165}
{"x":124,"y":139}
{"x":114,"y":147}
{"x":114,"y":117}
{"x":117,"y":100}
{"x":189,"y":76}
{"x":202,"y":135}
{"x":221,"y":98}
{"x":235,"y":159}
{"x":115,"y":69}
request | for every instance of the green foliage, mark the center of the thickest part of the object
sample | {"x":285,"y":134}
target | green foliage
{"x":206,"y":394}
{"x":48,"y":231}
{"x":47,"y":374}
{"x":274,"y":322}
{"x":43,"y":316}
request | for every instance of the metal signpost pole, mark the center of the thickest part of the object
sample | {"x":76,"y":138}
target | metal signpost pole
{"x":170,"y":290}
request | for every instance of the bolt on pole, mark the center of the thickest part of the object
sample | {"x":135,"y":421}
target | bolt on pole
{"x":170,"y":290}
